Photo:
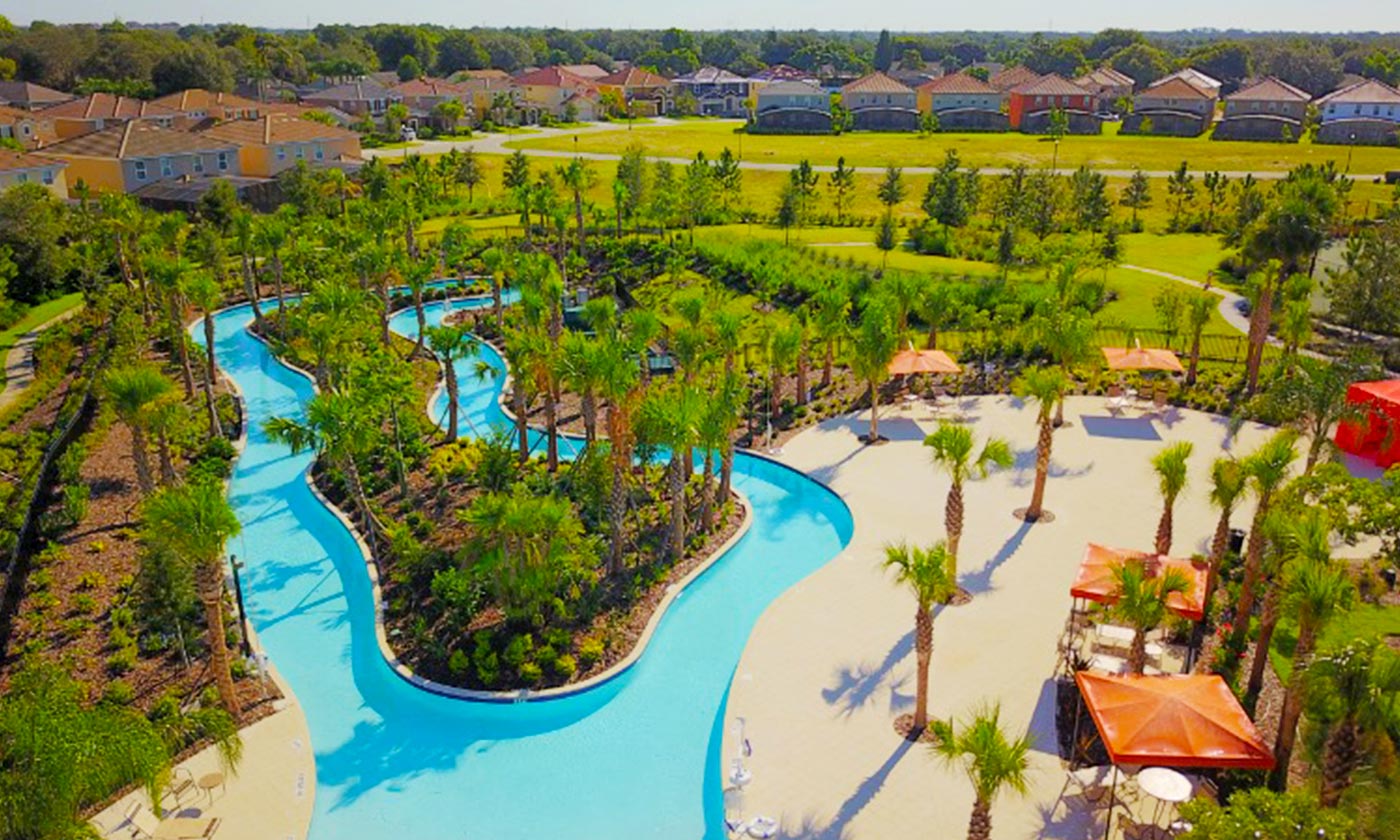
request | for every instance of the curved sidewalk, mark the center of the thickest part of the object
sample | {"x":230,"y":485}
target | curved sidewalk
{"x":831,"y":663}
{"x":19,"y":362}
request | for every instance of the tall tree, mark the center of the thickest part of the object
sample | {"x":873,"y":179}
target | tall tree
{"x":1044,"y":387}
{"x":928,"y":574}
{"x":1170,"y":467}
{"x":450,"y":343}
{"x":133,"y":390}
{"x":1140,"y":602}
{"x":992,"y":761}
{"x":951,"y":448}
{"x":1267,"y":470}
{"x":873,"y":344}
{"x":1354,"y":692}
{"x":842,"y":184}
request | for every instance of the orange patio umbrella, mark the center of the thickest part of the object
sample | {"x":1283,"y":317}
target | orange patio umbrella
{"x":1174,"y":720}
{"x":1142,"y":358}
{"x":923,"y":361}
{"x":1095,"y":579}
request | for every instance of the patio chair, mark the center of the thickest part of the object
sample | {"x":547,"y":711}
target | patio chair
{"x":1159,"y":401}
{"x":144,"y":823}
{"x":181,"y":783}
{"x":1117,"y":401}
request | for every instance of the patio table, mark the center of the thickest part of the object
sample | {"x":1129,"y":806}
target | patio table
{"x":1165,"y":785}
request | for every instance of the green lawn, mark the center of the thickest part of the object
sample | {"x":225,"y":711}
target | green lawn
{"x":1108,"y":151}
{"x":36,"y":316}
{"x":1190,"y":255}
{"x":1363,"y":622}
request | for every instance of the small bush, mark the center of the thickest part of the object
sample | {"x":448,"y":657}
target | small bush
{"x":122,"y":661}
{"x":118,"y":693}
{"x":546,"y":656}
{"x":90,"y":580}
{"x":488,"y":668}
{"x":565,"y":667}
{"x":518,"y":651}
{"x":459,"y":663}
{"x":530,"y":673}
{"x":590,"y":651}
{"x":84,"y":604}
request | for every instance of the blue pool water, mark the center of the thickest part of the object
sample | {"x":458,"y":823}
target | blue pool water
{"x":637,"y":757}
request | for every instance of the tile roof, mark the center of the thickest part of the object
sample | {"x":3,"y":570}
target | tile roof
{"x":634,"y":77}
{"x":1174,"y":87}
{"x":1050,"y":85}
{"x":29,"y":93}
{"x":199,"y":99}
{"x":9,"y":115}
{"x":556,"y":76}
{"x":274,"y":128}
{"x":362,"y":90}
{"x":957,"y":83}
{"x":136,"y":138}
{"x":1013,"y":77}
{"x":1271,"y":89}
{"x":791,"y":88}
{"x":431,"y":87}
{"x":876,"y":82}
{"x":1367,"y":92}
{"x":710,"y":76}
{"x":591,"y":72}
{"x":782,"y":73}
{"x":105,"y":106}
{"x":11,"y":160}
{"x":1196,"y":79}
{"x":1105,"y":77}
{"x":488,"y":73}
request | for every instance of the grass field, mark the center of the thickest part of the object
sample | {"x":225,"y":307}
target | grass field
{"x":1108,"y":151}
{"x":1189,"y":255}
{"x":1363,"y":622}
{"x":36,"y":316}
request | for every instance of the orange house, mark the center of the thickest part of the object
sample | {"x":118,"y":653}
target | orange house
{"x":103,"y":110}
{"x":276,"y":142}
{"x":1047,"y":94}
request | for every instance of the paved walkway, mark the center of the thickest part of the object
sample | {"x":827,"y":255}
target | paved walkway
{"x":1229,"y":301}
{"x":831,"y":663}
{"x":269,"y":798}
{"x":19,"y":362}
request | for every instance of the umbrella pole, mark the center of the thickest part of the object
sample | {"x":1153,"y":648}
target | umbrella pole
{"x":1112,"y":800}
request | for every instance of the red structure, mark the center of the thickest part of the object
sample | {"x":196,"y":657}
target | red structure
{"x":1377,"y":436}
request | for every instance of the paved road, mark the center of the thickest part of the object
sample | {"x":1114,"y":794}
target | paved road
{"x":19,"y":362}
{"x":499,"y":144}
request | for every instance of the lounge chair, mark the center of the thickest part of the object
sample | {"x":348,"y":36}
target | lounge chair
{"x":146,"y":824}
{"x":1159,"y":401}
{"x":1117,"y":401}
{"x":181,"y":783}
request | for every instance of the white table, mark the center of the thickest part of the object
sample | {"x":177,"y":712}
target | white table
{"x":1167,"y":786}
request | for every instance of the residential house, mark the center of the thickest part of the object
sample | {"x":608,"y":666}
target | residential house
{"x":28,"y":96}
{"x":559,"y":93}
{"x":1196,"y":79}
{"x":100,"y":111}
{"x":591,"y":72}
{"x":877,"y":102}
{"x":643,"y":94}
{"x":198,"y":105}
{"x":26,"y":168}
{"x":185,"y":194}
{"x":793,"y":107}
{"x":1012,"y":77}
{"x":783,"y":73}
{"x":277,"y":142}
{"x":1032,"y":105}
{"x":1267,"y":109}
{"x":363,"y":98}
{"x":123,"y":157}
{"x":717,"y":93}
{"x":1108,"y":86}
{"x":425,"y":94}
{"x":1365,"y":113}
{"x":30,"y":128}
{"x":962,"y":102}
{"x":494,"y":96}
{"x":1172,"y":107}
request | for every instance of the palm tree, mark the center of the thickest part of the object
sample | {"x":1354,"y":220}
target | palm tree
{"x":1227,"y":484}
{"x":929,"y":574}
{"x":951,"y":448}
{"x":1294,"y":537}
{"x":206,"y":294}
{"x":1354,"y":692}
{"x":618,"y":386}
{"x":578,"y":177}
{"x":337,"y":428}
{"x":872,"y":346}
{"x":674,"y":416}
{"x":1314,"y":593}
{"x":1198,"y":309}
{"x":832,"y":316}
{"x":244,"y":232}
{"x":1141,"y":602}
{"x":1046,"y":388}
{"x":271,"y":237}
{"x":784,"y":346}
{"x":1314,"y":399}
{"x":196,"y":522}
{"x":1170,"y":466}
{"x":133,"y":390}
{"x":1266,"y":470}
{"x":450,"y":343}
{"x":171,"y":277}
{"x":992,"y":761}
{"x":417,"y":273}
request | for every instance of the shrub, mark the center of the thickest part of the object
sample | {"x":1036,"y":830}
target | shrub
{"x":565,"y":667}
{"x":119,"y":639}
{"x":530,"y":673}
{"x":238,"y":667}
{"x":118,"y":693}
{"x":590,"y":651}
{"x":546,"y":656}
{"x":122,"y":661}
{"x":90,"y":580}
{"x":122,"y":618}
{"x":459,"y":663}
{"x":518,"y":650}
{"x":84,"y":604}
{"x":488,"y":668}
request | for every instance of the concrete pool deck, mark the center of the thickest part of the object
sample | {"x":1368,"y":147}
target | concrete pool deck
{"x":830,"y":664}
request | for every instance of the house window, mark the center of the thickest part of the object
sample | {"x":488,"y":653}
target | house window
{"x":223,"y":161}
{"x":48,"y":177}
{"x":1039,"y":100}
{"x":140,"y":168}
{"x":320,"y":152}
{"x":167,"y":169}
{"x":199,"y":163}
{"x":22,"y":178}
{"x":301,"y":153}
{"x":281,"y":152}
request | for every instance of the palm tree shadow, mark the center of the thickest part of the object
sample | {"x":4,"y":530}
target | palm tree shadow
{"x":839,"y":826}
{"x":856,"y":685}
{"x":1023,"y":468}
{"x":980,"y":581}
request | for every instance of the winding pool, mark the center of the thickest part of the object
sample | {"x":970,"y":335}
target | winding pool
{"x":635,"y":757}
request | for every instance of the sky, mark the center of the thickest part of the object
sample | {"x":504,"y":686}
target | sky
{"x":899,"y":15}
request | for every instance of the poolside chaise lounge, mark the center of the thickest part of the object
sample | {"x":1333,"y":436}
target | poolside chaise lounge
{"x":144,"y":823}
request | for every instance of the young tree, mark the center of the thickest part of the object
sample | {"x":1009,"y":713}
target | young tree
{"x":951,"y":449}
{"x":929,"y":575}
{"x":872,"y":346}
{"x":1266,"y":469}
{"x":450,"y":343}
{"x":1217,"y":184}
{"x":1045,"y":387}
{"x":674,"y":416}
{"x":1296,"y":536}
{"x":579,"y":177}
{"x":1140,"y":602}
{"x":663,"y":195}
{"x":952,"y":194}
{"x":1354,"y":692}
{"x":133,"y":390}
{"x":1089,"y":197}
{"x":1228,"y":480}
{"x":1137,"y":195}
{"x":788,"y":212}
{"x":1198,"y":309}
{"x":1181,"y":186}
{"x":805,"y":181}
{"x":728,"y":179}
{"x":196,"y":522}
{"x":886,"y":238}
{"x":842,"y":184}
{"x":891,"y":190}
{"x":469,"y":172}
{"x":205,"y":293}
{"x":992,"y":761}
{"x":697,"y":194}
{"x":1170,"y":467}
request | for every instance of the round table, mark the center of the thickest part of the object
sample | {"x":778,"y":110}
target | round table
{"x":1164,"y":785}
{"x":208,"y":782}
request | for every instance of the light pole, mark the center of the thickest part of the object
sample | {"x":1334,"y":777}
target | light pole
{"x":247,"y":645}
{"x":1351,"y":147}
{"x":1055,"y":157}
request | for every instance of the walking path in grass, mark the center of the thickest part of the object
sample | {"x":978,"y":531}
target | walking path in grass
{"x":18,"y":343}
{"x":831,"y":663}
{"x":1230,"y":302}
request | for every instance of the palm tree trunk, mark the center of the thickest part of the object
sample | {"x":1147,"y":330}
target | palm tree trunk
{"x":1258,"y":335}
{"x":451,"y":402}
{"x":141,"y":459}
{"x":422,"y":320}
{"x":979,"y":827}
{"x":167,"y":462}
{"x":707,"y":505}
{"x":1164,"y":529}
{"x":1268,"y":620}
{"x":676,"y":476}
{"x":1340,"y":760}
{"x":874,"y":413}
{"x":828,"y":363}
{"x":211,"y":595}
{"x":1218,"y":544}
{"x":496,"y":308}
{"x":179,"y":345}
{"x":802,"y":365}
{"x":551,"y":424}
{"x":726,"y":471}
{"x":953,"y":524}
{"x":590,"y":416}
{"x":250,"y":289}
{"x":1292,"y":706}
{"x":1195,"y":358}
{"x":519,"y":409}
{"x":1137,"y":651}
{"x":1042,"y":470}
{"x":1253,"y":560}
{"x":617,"y":498}
{"x":923,"y":648}
{"x":281,"y":295}
{"x":216,"y":430}
{"x":357,"y":490}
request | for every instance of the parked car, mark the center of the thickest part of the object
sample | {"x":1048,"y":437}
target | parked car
{"x":408,"y":134}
